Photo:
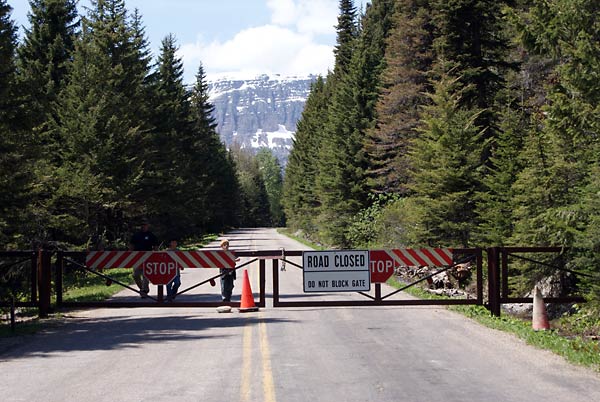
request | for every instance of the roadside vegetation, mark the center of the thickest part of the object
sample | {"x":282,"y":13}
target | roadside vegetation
{"x":457,"y":124}
{"x":81,"y":127}
{"x":470,"y":123}
{"x":574,"y":336}
{"x":80,"y":286}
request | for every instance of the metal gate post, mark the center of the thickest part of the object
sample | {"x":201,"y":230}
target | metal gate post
{"x":504,"y":271}
{"x":58,"y":287}
{"x":262,"y":280}
{"x":493,"y":281}
{"x":479,"y":277}
{"x":45,"y":282}
{"x":34,"y":275}
{"x":275,"y":283}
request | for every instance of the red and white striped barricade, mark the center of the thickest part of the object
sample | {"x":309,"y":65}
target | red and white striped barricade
{"x":99,"y":260}
{"x":384,"y":262}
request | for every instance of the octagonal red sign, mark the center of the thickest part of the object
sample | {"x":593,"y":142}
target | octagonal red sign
{"x":160,"y":268}
{"x":382,"y":266}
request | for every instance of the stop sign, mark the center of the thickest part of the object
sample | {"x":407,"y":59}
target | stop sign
{"x":160,"y":268}
{"x":382,"y":266}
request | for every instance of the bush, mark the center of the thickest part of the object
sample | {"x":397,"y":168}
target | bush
{"x":399,"y":224}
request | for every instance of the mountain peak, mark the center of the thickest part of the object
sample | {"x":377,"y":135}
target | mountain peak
{"x":260,"y":111}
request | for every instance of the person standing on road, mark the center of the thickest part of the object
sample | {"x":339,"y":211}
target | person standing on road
{"x":144,"y":240}
{"x":173,"y":286}
{"x":227,"y":276}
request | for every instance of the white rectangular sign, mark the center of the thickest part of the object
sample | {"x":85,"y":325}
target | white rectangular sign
{"x":336,"y":271}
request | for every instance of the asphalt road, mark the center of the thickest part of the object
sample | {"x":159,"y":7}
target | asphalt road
{"x":284,"y":354}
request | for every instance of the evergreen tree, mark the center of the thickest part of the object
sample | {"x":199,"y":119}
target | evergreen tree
{"x":8,"y":38}
{"x":169,"y":157}
{"x":347,"y":31}
{"x":42,"y":67}
{"x":254,"y":202}
{"x":470,"y":33}
{"x":561,"y":174}
{"x":301,"y":198}
{"x":335,"y":161}
{"x":101,"y":131}
{"x":587,"y":238}
{"x":446,"y":165}
{"x":270,"y":170}
{"x":44,"y":59}
{"x":342,"y":177}
{"x":517,"y":104}
{"x":404,"y":84}
{"x":495,"y":203}
{"x":217,"y":194}
{"x":14,"y":175}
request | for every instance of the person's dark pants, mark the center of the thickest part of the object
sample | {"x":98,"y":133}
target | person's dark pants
{"x":173,"y":287}
{"x":226,"y":287}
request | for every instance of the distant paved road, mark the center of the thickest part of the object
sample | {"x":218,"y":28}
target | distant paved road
{"x":291,"y":354}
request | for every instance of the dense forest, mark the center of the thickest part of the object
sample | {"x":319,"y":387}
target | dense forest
{"x":96,"y":134}
{"x":456,"y":123}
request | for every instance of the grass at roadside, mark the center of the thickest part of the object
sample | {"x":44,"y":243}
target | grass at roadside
{"x":82,"y":286}
{"x":90,"y":287}
{"x":575,"y":348}
{"x":287,"y":232}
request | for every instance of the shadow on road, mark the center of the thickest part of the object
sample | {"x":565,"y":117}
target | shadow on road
{"x":112,"y":333}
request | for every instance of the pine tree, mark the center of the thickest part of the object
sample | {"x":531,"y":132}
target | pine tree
{"x":44,"y":58}
{"x":342,"y":178}
{"x":168,"y":157}
{"x":517,"y":105}
{"x":217,"y":194}
{"x":42,"y":67}
{"x":14,"y":175}
{"x":336,"y":205}
{"x":270,"y":170}
{"x":470,"y":33}
{"x":404,"y":84}
{"x":254,"y":202}
{"x":446,"y":164}
{"x":562,"y":173}
{"x":495,"y":202}
{"x":347,"y":31}
{"x":101,"y":130}
{"x":587,"y":239}
{"x":301,"y":198}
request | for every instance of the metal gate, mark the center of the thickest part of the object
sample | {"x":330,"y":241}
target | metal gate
{"x":379,"y":299}
{"x":496,"y":275}
{"x":25,"y":278}
{"x":67,"y":262}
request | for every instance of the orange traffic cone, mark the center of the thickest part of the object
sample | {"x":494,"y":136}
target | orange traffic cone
{"x":540,"y":316}
{"x":247,"y":303}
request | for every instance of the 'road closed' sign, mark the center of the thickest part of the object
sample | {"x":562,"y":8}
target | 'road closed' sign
{"x":336,"y":271}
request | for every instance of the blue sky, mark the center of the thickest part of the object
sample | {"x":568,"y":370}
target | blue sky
{"x":237,"y":37}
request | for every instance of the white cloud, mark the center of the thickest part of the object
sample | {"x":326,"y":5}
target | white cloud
{"x":287,"y":46}
{"x":312,"y":17}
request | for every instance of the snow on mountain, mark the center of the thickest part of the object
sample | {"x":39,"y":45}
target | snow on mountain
{"x":259,"y":112}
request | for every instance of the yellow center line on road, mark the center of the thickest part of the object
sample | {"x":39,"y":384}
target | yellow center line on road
{"x":268,"y":385}
{"x":267,"y":372}
{"x":246,"y":363}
